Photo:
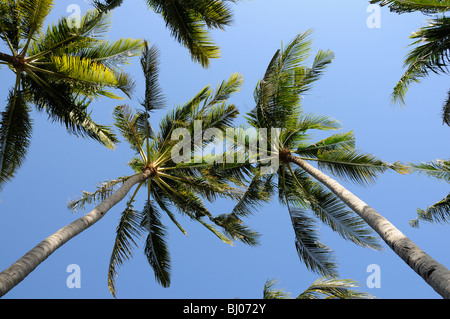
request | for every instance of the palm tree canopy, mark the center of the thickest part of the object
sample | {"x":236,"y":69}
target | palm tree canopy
{"x":60,"y":71}
{"x":189,"y":22}
{"x":172,"y":187}
{"x":278,"y":104}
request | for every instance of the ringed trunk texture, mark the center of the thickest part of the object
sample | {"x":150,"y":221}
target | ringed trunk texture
{"x":434,"y":273}
{"x":17,"y":272}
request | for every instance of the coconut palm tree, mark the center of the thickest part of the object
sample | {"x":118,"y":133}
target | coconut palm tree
{"x":59,"y":70}
{"x":440,"y":211}
{"x":322,"y":288}
{"x":431,"y":48}
{"x":304,"y":188}
{"x":170,"y":186}
{"x":189,"y":22}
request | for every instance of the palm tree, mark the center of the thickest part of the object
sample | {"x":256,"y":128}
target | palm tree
{"x":60,"y":71}
{"x":189,"y":22}
{"x":322,"y":288}
{"x":440,"y":211}
{"x":431,"y":52}
{"x":170,"y":186}
{"x":306,"y":188}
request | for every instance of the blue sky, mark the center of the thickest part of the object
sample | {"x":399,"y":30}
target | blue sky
{"x":355,"y":90}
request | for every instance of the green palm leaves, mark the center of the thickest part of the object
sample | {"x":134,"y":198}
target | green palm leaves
{"x":278,"y":105}
{"x":171,"y":187}
{"x":59,"y":70}
{"x":431,"y":50}
{"x":440,"y":211}
{"x":189,"y":22}
{"x":322,"y":288}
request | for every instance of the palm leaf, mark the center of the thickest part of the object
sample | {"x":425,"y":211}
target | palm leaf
{"x":188,"y":28}
{"x":301,"y":191}
{"x":150,"y":65}
{"x":15,"y":135}
{"x":155,"y":245}
{"x":128,"y":230}
{"x":333,"y":288}
{"x":337,"y":141}
{"x":126,"y":121}
{"x":436,"y":213}
{"x":426,"y":6}
{"x":316,"y":256}
{"x":33,"y":14}
{"x":104,"y":190}
{"x":235,"y":229}
{"x":352,"y":165}
{"x":446,"y":110}
{"x":439,"y":169}
{"x":269,"y":292}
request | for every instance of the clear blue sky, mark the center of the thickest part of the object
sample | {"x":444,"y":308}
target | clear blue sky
{"x":355,"y":90}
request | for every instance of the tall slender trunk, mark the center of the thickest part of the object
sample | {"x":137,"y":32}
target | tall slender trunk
{"x":17,"y":272}
{"x":435,"y":274}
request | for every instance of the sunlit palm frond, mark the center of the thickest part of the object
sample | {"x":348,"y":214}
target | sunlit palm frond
{"x":32,"y":17}
{"x":333,"y":288}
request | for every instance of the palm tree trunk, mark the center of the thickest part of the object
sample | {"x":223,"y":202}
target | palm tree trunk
{"x":435,"y":274}
{"x":17,"y":272}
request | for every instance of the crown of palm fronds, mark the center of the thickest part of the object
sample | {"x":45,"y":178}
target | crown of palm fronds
{"x":278,"y":104}
{"x":173,"y":187}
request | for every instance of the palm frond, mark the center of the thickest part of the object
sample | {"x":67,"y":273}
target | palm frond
{"x":269,"y":292}
{"x":104,"y":190}
{"x":235,"y":229}
{"x":107,"y":5}
{"x":439,"y":169}
{"x":429,"y":56}
{"x":188,"y":27}
{"x":126,"y":121}
{"x":15,"y":135}
{"x":156,"y":249}
{"x":446,"y":111}
{"x":333,"y":288}
{"x":436,"y":213}
{"x":150,"y":65}
{"x":113,"y":54}
{"x":425,"y":6}
{"x":315,"y":255}
{"x":33,"y":14}
{"x":352,"y":165}
{"x":128,"y":230}
{"x":303,"y":192}
{"x":336,"y":141}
